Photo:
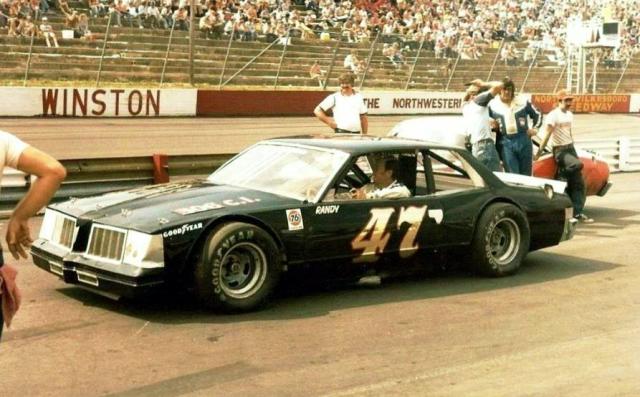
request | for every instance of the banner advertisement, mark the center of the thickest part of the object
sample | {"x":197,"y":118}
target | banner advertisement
{"x":302,"y":103}
{"x":97,"y":102}
{"x":586,"y":103}
{"x":151,"y":102}
{"x":408,"y":102}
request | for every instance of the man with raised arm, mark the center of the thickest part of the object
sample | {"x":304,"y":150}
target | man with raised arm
{"x":475,"y":112}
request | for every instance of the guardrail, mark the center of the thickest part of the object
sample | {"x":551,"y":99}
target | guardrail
{"x":622,"y":153}
{"x":96,"y":176}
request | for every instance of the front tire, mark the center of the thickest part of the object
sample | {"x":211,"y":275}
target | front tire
{"x":501,"y":240}
{"x":239,"y":268}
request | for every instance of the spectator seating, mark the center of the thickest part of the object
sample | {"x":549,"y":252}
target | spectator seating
{"x":135,"y":55}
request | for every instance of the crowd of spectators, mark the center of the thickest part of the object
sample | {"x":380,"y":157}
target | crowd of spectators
{"x":451,"y":28}
{"x":27,"y":18}
{"x":546,"y":36}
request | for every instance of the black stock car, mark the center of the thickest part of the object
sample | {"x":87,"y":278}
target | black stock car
{"x":283,"y":203}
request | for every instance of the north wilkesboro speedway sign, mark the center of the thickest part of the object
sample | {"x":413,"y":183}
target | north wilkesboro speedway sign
{"x":153,"y":102}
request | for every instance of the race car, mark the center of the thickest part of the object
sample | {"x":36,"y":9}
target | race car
{"x":287,"y":203}
{"x":450,"y":130}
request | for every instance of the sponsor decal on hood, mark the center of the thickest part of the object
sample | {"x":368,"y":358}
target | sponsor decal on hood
{"x":215,"y":205}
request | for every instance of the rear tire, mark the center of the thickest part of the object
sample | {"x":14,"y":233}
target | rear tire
{"x":501,"y":240}
{"x":239,"y":268}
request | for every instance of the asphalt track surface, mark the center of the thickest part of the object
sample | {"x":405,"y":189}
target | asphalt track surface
{"x":568,"y":324}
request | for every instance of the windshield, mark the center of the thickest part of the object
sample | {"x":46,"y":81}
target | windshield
{"x":291,"y":171}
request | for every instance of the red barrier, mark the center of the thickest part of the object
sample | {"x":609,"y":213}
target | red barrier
{"x":160,"y":168}
{"x":586,"y":103}
{"x":258,"y":103}
{"x":302,"y":103}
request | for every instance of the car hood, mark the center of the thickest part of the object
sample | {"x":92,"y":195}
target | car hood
{"x":153,"y":208}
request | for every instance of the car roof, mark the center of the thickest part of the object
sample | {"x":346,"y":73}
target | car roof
{"x":355,"y":144}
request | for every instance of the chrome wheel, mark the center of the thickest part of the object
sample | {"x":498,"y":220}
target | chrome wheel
{"x":243,"y":270}
{"x":504,"y":241}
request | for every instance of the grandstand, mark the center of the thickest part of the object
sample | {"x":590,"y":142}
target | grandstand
{"x":151,"y":56}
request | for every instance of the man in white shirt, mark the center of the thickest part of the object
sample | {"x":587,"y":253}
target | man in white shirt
{"x":349,"y":110}
{"x":475,"y":112}
{"x":559,"y":123}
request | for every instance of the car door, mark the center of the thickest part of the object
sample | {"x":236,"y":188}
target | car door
{"x":365,"y":230}
{"x":460,"y":189}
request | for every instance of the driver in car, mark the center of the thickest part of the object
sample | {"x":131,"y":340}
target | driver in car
{"x":385,"y":184}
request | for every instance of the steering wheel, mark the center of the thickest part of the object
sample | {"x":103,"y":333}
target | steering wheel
{"x":354,"y":182}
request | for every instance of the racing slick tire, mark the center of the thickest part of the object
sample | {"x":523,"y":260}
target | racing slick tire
{"x":239,"y":268}
{"x":501,"y":240}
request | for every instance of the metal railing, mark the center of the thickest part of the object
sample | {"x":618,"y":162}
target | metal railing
{"x":626,"y":66}
{"x":495,"y":60}
{"x":104,"y":48}
{"x":531,"y":64}
{"x":413,"y":65}
{"x":284,"y":51}
{"x":145,"y":55}
{"x":166,"y":55}
{"x":333,"y":60}
{"x":89,"y":177}
{"x":33,"y":35}
{"x":453,"y":71}
{"x":622,"y":153}
{"x":369,"y":58}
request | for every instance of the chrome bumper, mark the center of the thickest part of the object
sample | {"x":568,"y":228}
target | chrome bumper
{"x":604,"y":189}
{"x":570,"y":224}
{"x":108,"y":279}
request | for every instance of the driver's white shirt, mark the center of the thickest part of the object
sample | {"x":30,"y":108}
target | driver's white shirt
{"x":394,"y":190}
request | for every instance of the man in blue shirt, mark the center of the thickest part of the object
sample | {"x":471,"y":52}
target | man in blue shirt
{"x":512,"y":115}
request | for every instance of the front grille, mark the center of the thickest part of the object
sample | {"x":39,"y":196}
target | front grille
{"x":106,"y":243}
{"x":64,"y":230}
{"x":65,"y":238}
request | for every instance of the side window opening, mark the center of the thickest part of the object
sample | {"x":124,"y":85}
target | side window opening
{"x":451,"y":172}
{"x":361,"y":175}
{"x":423,"y":174}
{"x":407,"y":163}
